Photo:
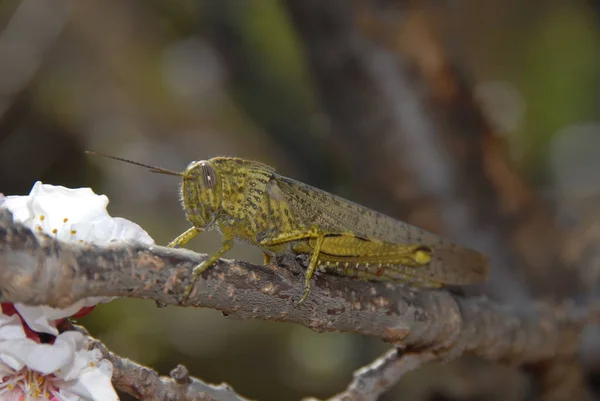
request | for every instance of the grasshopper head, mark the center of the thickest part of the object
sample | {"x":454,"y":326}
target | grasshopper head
{"x":201,"y":193}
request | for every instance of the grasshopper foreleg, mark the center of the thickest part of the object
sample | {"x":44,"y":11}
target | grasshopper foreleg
{"x":184,"y":238}
{"x":226,"y":245}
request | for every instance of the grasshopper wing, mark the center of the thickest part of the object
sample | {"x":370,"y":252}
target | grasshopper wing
{"x":356,"y":235}
{"x":337,"y":214}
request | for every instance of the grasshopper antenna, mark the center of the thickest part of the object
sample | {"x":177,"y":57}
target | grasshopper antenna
{"x":154,"y":169}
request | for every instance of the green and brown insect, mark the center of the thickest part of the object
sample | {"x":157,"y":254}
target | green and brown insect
{"x":249,"y":201}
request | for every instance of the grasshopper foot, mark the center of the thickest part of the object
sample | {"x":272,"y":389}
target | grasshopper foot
{"x":267,"y":258}
{"x":187,"y":292}
{"x":304,"y":295}
{"x":195,"y":276}
{"x":302,"y":299}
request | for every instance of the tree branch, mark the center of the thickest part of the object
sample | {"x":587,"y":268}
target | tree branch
{"x":40,"y":270}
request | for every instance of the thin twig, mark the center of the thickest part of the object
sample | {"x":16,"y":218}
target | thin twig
{"x":371,"y":381}
{"x":146,"y":384}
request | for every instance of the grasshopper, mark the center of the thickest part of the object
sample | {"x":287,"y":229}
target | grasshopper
{"x":248,"y":201}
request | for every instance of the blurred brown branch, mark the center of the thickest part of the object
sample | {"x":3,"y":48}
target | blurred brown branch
{"x":404,"y":123}
{"x":39,"y":270}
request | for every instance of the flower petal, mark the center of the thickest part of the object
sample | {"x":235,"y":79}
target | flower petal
{"x":42,"y":318}
{"x":43,"y":358}
{"x":94,"y":383}
{"x":18,"y":207}
{"x":72,"y":215}
{"x":11,"y":328}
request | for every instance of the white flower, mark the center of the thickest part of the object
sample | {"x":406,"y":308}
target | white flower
{"x":72,"y":215}
{"x":64,"y":370}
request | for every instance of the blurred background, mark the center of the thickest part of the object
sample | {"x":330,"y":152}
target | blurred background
{"x":475,"y":119}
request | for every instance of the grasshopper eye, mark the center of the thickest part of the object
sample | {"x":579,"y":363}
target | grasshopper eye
{"x":209,"y":175}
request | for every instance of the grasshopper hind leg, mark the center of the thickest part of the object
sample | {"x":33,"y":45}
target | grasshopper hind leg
{"x":310,"y":270}
{"x":406,"y":278}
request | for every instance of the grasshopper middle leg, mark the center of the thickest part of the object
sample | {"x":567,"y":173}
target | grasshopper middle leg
{"x":301,"y":235}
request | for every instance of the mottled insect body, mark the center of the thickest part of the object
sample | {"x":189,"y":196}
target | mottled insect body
{"x":248,"y":201}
